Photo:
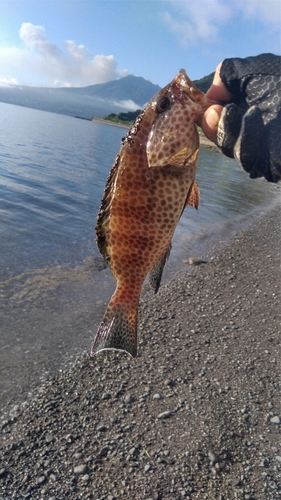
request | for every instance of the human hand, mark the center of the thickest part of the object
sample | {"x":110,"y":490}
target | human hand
{"x":247,"y":124}
{"x":217,"y":92}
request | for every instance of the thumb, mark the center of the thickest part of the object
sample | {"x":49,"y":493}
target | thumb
{"x":210,"y":122}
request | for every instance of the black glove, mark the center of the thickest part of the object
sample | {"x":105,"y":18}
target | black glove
{"x":250,"y":126}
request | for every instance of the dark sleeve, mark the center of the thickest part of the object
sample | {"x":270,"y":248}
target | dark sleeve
{"x":250,"y":126}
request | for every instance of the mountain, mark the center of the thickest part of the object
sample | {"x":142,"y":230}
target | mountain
{"x":84,"y":102}
{"x":128,"y":93}
{"x":205,"y":83}
{"x":131,"y":87}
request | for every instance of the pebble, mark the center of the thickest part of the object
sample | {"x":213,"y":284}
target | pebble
{"x":102,"y":428}
{"x":169,"y":382}
{"x":2,"y":472}
{"x":165,"y":414}
{"x":80,"y":469}
{"x":129,"y":399}
{"x":275,"y":420}
{"x":212,"y":457}
{"x":14,"y":410}
{"x":147,"y":468}
{"x":156,"y":396}
{"x":104,"y":451}
{"x":106,"y":395}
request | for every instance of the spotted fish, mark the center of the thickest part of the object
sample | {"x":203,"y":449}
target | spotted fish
{"x":150,"y":183}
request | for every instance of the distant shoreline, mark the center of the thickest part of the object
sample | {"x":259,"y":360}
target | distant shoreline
{"x":203,"y":140}
{"x":108,"y":122}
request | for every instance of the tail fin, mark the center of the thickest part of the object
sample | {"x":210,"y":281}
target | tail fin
{"x":118,"y":330}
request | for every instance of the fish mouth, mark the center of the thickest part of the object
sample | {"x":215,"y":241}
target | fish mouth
{"x":182,"y":79}
{"x":183,"y":86}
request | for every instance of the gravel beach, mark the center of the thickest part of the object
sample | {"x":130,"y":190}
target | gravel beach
{"x":197,"y":415}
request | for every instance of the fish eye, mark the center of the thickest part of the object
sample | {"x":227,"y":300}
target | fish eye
{"x":162,"y":105}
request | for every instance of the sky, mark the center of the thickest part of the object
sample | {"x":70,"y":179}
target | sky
{"x":63,"y":43}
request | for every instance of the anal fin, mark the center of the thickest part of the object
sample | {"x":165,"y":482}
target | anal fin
{"x":155,"y":274}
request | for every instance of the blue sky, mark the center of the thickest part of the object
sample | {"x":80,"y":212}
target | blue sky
{"x":83,"y":42}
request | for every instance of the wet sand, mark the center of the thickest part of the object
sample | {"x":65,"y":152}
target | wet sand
{"x":196,"y":415}
{"x":206,"y":142}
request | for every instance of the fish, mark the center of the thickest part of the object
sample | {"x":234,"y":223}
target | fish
{"x":150,"y":184}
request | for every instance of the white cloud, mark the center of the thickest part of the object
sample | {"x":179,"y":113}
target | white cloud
{"x":8,"y":82}
{"x":34,"y":38}
{"x":267,"y":11}
{"x":45,"y":63}
{"x":100,"y":67}
{"x":128,"y":104}
{"x":193,"y":22}
{"x":196,"y":21}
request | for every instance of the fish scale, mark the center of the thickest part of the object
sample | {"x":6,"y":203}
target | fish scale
{"x":151,"y":182}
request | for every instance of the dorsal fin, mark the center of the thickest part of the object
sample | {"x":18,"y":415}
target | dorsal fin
{"x":104,"y":212}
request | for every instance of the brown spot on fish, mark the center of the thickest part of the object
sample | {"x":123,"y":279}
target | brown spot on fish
{"x":150,"y":184}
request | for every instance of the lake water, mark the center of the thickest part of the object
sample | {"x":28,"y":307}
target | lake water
{"x":53,"y":292}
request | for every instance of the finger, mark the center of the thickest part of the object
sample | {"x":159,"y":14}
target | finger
{"x":210,"y":120}
{"x":218,"y":91}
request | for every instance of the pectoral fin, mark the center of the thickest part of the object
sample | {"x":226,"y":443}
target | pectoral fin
{"x":156,"y":272}
{"x":193,"y":196}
